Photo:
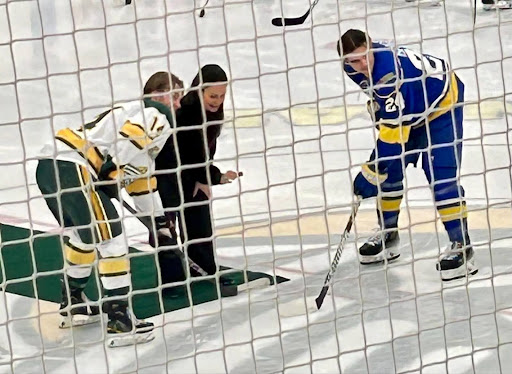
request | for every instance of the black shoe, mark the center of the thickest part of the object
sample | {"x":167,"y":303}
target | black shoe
{"x":375,"y":250}
{"x":457,"y":262}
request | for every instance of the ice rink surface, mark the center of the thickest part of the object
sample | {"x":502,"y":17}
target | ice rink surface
{"x":299,"y":130}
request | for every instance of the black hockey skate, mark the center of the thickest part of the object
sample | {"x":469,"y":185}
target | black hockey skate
{"x":82,"y":314}
{"x":456,"y":262}
{"x":375,"y":251}
{"x":124,"y":329}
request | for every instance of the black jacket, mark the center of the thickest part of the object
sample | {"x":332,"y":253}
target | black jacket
{"x":191,"y":142}
{"x":192,"y":150}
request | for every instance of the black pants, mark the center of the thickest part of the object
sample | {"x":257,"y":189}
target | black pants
{"x":199,"y":228}
{"x":195,"y":224}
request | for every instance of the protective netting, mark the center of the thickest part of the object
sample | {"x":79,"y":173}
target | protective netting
{"x":298,"y":128}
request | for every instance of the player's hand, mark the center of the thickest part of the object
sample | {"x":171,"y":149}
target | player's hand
{"x":204,"y":188}
{"x":365,"y":184}
{"x":230,"y":176}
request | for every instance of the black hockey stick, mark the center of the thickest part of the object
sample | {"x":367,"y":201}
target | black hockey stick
{"x":201,"y":13}
{"x":225,"y":290}
{"x":320,"y":299}
{"x":294,"y":21}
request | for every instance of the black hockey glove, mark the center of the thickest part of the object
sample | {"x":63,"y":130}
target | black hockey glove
{"x":170,"y":259}
{"x":111,"y":189}
{"x":164,"y":229}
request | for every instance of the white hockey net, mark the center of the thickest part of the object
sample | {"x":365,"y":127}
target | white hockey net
{"x":299,"y":131}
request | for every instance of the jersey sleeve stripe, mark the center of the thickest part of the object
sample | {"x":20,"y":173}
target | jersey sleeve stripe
{"x":136,"y":134}
{"x":449,"y":99}
{"x":394,"y":134}
{"x":154,"y":123}
{"x":82,"y":146}
{"x":142,"y":186}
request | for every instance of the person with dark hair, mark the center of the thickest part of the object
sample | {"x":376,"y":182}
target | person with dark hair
{"x":78,"y":173}
{"x":199,"y":122}
{"x":163,"y":83}
{"x":416,"y":102}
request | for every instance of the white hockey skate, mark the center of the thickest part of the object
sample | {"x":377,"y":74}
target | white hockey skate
{"x":119,"y":3}
{"x":426,"y":3}
{"x":75,"y":320}
{"x":375,"y":251}
{"x":123,"y":329}
{"x":496,"y":4}
{"x":80,"y":313}
{"x":457,"y":262}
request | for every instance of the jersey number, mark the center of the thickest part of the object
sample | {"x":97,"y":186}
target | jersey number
{"x":433,"y":66}
{"x":391,"y":105}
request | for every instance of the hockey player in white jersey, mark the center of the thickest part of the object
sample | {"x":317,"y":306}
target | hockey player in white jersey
{"x":79,"y":172}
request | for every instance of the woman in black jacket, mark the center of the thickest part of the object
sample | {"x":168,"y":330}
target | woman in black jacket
{"x":199,"y":122}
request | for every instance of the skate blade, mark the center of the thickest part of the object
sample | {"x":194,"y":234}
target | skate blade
{"x":458,"y":273}
{"x":78,"y":320}
{"x":124,"y":340}
{"x":426,"y":4}
{"x":379,"y":258}
{"x":119,"y":3}
{"x":497,"y":7}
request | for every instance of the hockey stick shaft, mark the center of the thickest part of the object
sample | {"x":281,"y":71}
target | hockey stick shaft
{"x":201,"y":13}
{"x":334,"y":265}
{"x":146,"y":221}
{"x":225,"y":290}
{"x":294,"y":21}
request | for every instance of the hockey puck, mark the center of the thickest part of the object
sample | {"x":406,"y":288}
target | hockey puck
{"x":240,"y":174}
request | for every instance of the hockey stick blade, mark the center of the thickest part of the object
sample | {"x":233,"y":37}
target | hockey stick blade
{"x":146,"y":221}
{"x":202,"y":12}
{"x":291,"y":21}
{"x":225,"y":290}
{"x":294,"y":21}
{"x":320,"y":299}
{"x":334,"y":265}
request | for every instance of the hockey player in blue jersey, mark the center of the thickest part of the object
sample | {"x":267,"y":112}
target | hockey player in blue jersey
{"x":416,"y":102}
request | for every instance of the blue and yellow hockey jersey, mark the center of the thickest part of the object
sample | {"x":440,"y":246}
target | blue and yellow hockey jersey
{"x":407,"y":89}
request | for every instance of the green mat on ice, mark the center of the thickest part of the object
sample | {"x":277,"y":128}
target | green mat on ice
{"x":16,"y":261}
